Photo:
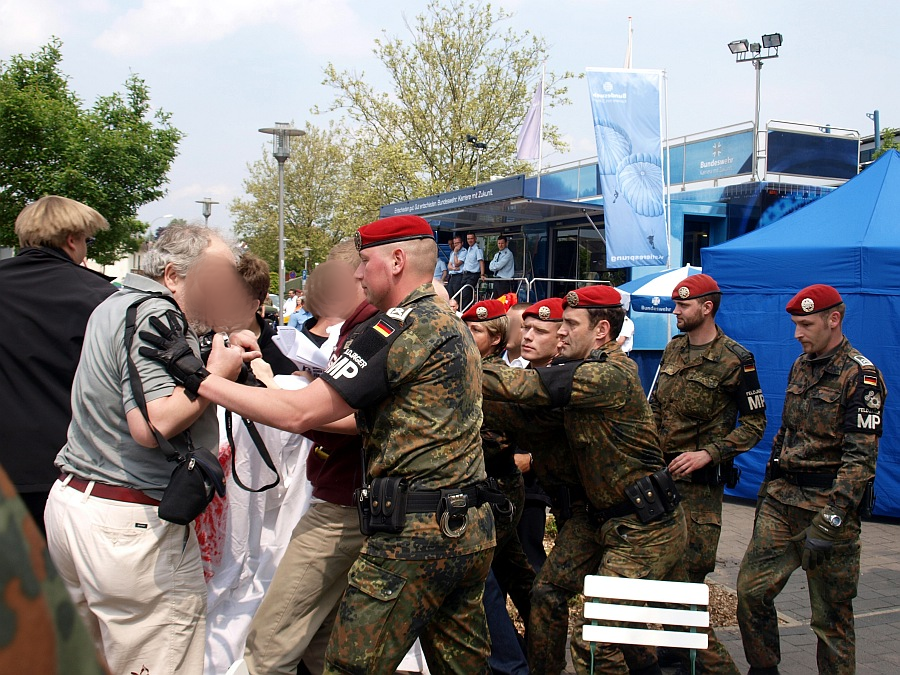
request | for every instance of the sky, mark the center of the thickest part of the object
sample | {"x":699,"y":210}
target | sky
{"x":225,"y":68}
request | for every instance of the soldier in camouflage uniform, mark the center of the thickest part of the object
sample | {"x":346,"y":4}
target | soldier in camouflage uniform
{"x":42,"y":632}
{"x":488,"y":322}
{"x":414,"y":374}
{"x":541,"y":433}
{"x":610,"y":430}
{"x":822,"y":459}
{"x":705,"y":380}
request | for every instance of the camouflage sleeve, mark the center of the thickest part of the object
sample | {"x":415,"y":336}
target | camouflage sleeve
{"x":862,"y":429}
{"x":655,"y":406}
{"x":517,"y":385}
{"x":751,"y":425}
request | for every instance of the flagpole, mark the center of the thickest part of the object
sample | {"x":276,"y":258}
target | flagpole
{"x":541,"y":132}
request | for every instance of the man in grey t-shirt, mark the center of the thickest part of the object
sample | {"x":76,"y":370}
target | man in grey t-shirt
{"x":137,"y":580}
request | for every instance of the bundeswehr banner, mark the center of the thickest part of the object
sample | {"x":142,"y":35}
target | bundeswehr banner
{"x":628,"y":127}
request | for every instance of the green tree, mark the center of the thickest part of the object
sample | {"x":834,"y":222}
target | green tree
{"x":319,"y":209}
{"x":460,"y":73}
{"x":888,"y":142}
{"x":113,"y":156}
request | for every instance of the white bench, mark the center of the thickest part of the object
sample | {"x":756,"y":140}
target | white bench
{"x":599,"y":590}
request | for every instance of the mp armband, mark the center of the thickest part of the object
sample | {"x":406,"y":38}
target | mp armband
{"x":557,"y":380}
{"x":359,"y":374}
{"x":750,"y":397}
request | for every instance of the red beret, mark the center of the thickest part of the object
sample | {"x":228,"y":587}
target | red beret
{"x":485,"y":311}
{"x":550,"y":309}
{"x":594,"y":297}
{"x":696,"y":286}
{"x":391,"y":230}
{"x":814,"y":299}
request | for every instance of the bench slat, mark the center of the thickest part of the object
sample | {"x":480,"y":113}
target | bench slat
{"x":646,"y":590}
{"x":635,"y":636}
{"x":666,"y":617}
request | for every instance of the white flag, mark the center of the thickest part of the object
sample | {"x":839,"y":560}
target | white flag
{"x":528,"y":146}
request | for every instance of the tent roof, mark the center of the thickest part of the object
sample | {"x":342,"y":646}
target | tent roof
{"x":849,"y":238}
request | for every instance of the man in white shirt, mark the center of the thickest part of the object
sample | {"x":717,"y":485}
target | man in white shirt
{"x":290,"y":304}
{"x":626,"y":336}
{"x":503,"y":266}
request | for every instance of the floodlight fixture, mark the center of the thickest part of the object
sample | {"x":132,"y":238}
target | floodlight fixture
{"x":755,"y":47}
{"x":772,"y":40}
{"x":739,"y":46}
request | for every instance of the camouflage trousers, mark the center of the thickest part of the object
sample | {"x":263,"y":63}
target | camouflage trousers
{"x":703,"y":514}
{"x":390,"y":603}
{"x":621,"y":547}
{"x":511,"y":567}
{"x":768,"y":564}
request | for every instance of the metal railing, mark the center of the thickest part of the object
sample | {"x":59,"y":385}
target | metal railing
{"x":482,"y":293}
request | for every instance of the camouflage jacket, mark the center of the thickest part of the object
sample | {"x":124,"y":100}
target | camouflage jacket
{"x":697,"y":399}
{"x":496,"y":443}
{"x":608,"y":422}
{"x":419,"y":400}
{"x":831,"y":423}
{"x":541,"y":432}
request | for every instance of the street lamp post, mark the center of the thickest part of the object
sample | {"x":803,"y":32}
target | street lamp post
{"x":207,"y":208}
{"x":281,"y":149}
{"x":306,"y":251}
{"x":746,"y":51}
{"x":479,"y":147}
{"x":168,"y":215}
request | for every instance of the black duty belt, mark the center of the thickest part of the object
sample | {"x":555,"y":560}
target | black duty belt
{"x":427,"y":501}
{"x":600,"y":516}
{"x":809,"y":480}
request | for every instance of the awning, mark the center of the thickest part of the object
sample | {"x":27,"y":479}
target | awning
{"x":513,"y":213}
{"x":498,"y":204}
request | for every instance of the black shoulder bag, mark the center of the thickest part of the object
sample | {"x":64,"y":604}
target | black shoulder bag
{"x":197,"y":476}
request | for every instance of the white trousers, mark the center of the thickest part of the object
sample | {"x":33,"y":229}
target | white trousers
{"x":136,"y":580}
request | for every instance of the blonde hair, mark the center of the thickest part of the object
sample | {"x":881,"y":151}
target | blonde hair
{"x":50,"y":220}
{"x":345,"y":252}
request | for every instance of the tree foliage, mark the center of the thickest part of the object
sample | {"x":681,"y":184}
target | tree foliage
{"x":319,"y":207}
{"x":461,"y":72}
{"x":113,"y":156}
{"x":888,"y":142}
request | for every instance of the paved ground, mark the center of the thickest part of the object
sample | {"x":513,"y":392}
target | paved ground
{"x":877,"y":607}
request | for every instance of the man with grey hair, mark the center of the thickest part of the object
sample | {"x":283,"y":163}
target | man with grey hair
{"x":39,"y":347}
{"x":136,"y":579}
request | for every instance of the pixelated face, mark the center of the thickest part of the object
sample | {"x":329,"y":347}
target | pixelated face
{"x":576,"y":336}
{"x":486,"y":343}
{"x":501,"y":244}
{"x":470,"y":238}
{"x":212,"y":293}
{"x":514,"y":332}
{"x":539,"y":340}
{"x":231,"y":305}
{"x":457,"y":243}
{"x":814,"y":332}
{"x":689,"y":314}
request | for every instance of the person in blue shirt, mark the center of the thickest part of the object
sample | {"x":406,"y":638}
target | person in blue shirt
{"x":440,"y":271}
{"x":503,"y":266}
{"x":300,"y":315}
{"x":473,"y":272}
{"x":455,"y":267}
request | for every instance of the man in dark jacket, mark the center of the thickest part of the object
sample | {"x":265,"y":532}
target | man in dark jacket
{"x":45,"y":303}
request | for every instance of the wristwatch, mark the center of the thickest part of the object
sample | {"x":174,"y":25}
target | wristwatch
{"x":833,"y":519}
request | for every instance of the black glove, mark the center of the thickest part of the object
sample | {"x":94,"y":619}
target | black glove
{"x":818,"y":540}
{"x":174,"y":352}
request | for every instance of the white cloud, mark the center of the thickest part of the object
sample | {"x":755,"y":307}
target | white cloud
{"x":28,"y":24}
{"x":322,"y":25}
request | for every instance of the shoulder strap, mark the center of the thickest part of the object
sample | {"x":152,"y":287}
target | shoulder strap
{"x":261,"y":448}
{"x":745,"y":356}
{"x":134,"y":379}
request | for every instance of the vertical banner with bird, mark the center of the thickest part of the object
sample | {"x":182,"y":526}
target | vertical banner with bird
{"x":627,"y":115}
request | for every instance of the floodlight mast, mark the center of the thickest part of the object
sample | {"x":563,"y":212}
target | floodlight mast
{"x":756,"y":53}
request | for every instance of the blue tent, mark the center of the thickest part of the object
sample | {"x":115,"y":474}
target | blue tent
{"x":850,"y":239}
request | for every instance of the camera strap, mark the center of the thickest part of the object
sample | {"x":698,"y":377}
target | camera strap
{"x":260,"y":447}
{"x":137,"y":388}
